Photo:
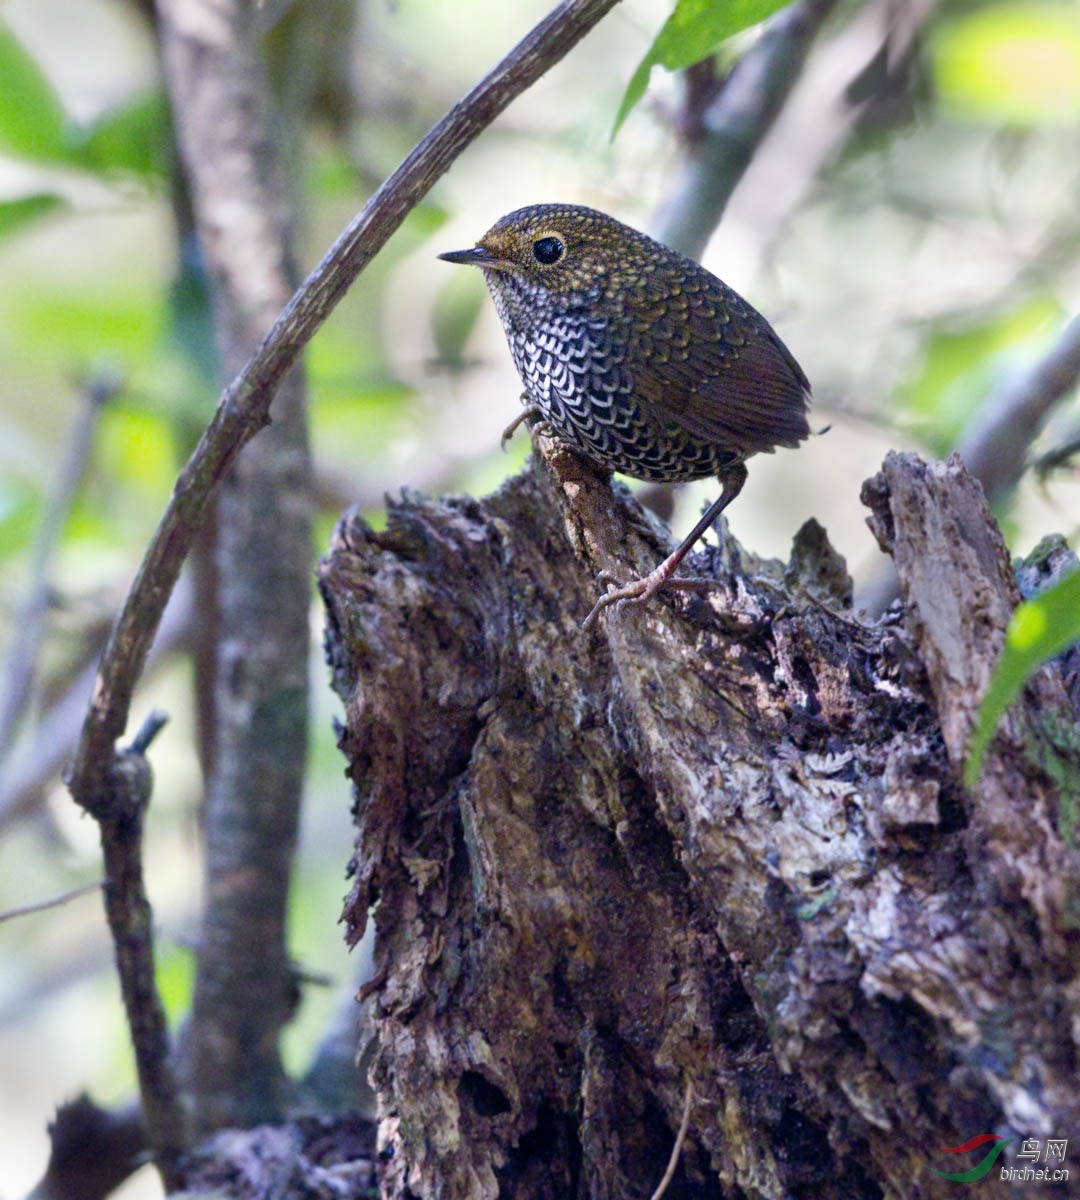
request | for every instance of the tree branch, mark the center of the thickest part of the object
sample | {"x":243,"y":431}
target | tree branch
{"x":243,"y":408}
{"x":119,"y":812}
{"x":734,"y":126}
{"x":24,"y":910}
{"x":995,"y":444}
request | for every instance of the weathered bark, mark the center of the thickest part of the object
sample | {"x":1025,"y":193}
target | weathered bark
{"x":723,"y":842}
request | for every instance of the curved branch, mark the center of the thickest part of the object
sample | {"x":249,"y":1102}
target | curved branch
{"x":242,"y":410}
{"x":995,"y":444}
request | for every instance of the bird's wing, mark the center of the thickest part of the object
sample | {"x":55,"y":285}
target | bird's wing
{"x":703,"y":358}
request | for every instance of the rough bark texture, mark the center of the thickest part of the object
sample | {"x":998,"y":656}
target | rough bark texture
{"x":722,"y":842}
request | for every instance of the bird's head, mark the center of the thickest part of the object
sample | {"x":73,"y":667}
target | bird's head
{"x":560,"y":248}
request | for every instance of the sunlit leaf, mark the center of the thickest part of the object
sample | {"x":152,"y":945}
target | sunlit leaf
{"x":693,"y":31}
{"x":32,"y":119}
{"x":1016,"y":63}
{"x":1039,"y":629}
{"x":14,"y":214}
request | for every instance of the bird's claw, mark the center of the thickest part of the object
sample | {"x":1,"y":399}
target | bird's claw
{"x":530,"y":411}
{"x":637,"y":591}
{"x":634,"y":592}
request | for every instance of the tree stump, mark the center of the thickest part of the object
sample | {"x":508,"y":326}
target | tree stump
{"x":721,"y":844}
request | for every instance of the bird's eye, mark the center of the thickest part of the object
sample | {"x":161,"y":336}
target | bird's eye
{"x":547,"y":250}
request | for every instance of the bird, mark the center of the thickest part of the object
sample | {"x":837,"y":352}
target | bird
{"x":640,"y":358}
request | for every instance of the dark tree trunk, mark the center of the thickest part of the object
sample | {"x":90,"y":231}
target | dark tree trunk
{"x":721,"y":844}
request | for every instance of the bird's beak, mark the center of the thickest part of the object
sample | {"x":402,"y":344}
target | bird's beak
{"x":476,"y":257}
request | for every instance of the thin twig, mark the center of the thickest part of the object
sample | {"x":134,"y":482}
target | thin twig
{"x":22,"y":655}
{"x":242,"y":411}
{"x":676,"y":1150}
{"x":42,"y":905}
{"x":1058,"y":458}
{"x":154,"y":722}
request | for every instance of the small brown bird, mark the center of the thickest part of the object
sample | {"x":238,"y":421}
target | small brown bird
{"x":638,"y":357}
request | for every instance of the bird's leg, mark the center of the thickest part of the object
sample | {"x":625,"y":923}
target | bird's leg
{"x":530,"y":410}
{"x":639,"y":590}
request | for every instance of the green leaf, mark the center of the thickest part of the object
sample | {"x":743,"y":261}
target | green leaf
{"x":693,"y":31}
{"x":132,"y":138}
{"x":34,"y":125}
{"x":14,"y":214}
{"x":32,"y":119}
{"x":1016,"y":63}
{"x":1039,"y":629}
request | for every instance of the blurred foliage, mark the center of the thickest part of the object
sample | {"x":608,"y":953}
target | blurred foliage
{"x":1016,"y":63}
{"x":962,"y":365}
{"x":34,"y":124}
{"x":14,"y":213}
{"x":694,"y":31}
{"x":32,"y":119}
{"x":934,"y":253}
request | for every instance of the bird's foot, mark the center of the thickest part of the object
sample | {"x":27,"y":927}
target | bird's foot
{"x":530,"y":411}
{"x":637,"y":591}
